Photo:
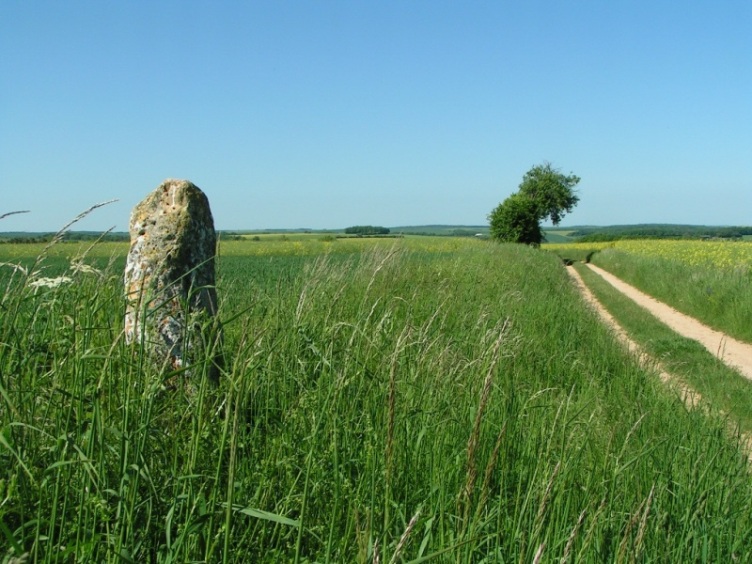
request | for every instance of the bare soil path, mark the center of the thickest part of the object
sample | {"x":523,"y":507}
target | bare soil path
{"x":734,"y":353}
{"x":713,"y":340}
{"x":690,"y":397}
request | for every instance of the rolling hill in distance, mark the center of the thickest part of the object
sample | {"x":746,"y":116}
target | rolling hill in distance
{"x":561,"y":234}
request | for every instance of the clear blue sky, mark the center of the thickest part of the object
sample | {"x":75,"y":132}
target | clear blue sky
{"x":326,"y":114}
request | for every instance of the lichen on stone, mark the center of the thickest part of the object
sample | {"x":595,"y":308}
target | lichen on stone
{"x":171,"y":300}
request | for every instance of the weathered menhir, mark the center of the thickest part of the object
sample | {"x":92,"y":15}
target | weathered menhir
{"x":170,"y":282}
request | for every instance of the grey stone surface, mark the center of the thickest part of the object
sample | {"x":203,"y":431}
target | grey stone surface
{"x":171,"y":299}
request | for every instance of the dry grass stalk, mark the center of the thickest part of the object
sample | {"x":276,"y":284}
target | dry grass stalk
{"x":472,"y":444}
{"x":539,"y":553}
{"x":490,"y":467}
{"x":59,"y":235}
{"x":572,"y":536}
{"x":3,"y":216}
{"x":639,"y":514}
{"x":591,"y":529}
{"x":643,"y":523}
{"x":404,"y":537}
{"x":391,"y":404}
{"x":389,"y":254}
{"x":547,"y":494}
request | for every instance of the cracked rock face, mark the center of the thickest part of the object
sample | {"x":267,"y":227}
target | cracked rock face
{"x":171,"y":300}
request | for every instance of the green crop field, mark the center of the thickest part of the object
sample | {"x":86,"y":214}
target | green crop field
{"x":391,"y":400}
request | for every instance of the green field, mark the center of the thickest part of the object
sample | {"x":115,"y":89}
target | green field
{"x":400,"y":400}
{"x":558,"y":235}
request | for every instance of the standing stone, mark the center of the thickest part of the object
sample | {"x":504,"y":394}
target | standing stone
{"x":169,"y":279}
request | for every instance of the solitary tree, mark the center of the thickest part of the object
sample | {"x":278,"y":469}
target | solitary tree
{"x":544,"y":193}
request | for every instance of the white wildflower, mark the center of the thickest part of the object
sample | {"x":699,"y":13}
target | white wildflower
{"x":50,"y":282}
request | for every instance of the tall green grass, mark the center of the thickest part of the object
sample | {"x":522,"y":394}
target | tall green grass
{"x":719,"y":297}
{"x":386,"y":406}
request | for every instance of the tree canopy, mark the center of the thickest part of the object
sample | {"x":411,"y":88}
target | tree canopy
{"x":367,"y":230}
{"x":544,"y":193}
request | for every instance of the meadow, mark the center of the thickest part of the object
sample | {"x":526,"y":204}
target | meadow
{"x":403,"y":400}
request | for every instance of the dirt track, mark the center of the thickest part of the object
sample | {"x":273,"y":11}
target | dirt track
{"x":690,"y":397}
{"x":734,"y":353}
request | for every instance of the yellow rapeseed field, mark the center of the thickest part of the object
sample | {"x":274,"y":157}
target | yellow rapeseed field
{"x":713,"y":253}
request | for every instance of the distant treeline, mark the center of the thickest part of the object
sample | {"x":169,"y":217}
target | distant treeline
{"x":443,"y":230}
{"x":448,"y":233}
{"x":367,"y":230}
{"x":69,"y":236}
{"x":230,"y":236}
{"x":598,"y":234}
{"x":72,"y":236}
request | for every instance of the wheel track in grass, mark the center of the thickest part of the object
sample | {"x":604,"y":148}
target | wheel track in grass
{"x":688,"y":395}
{"x":733,"y":353}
